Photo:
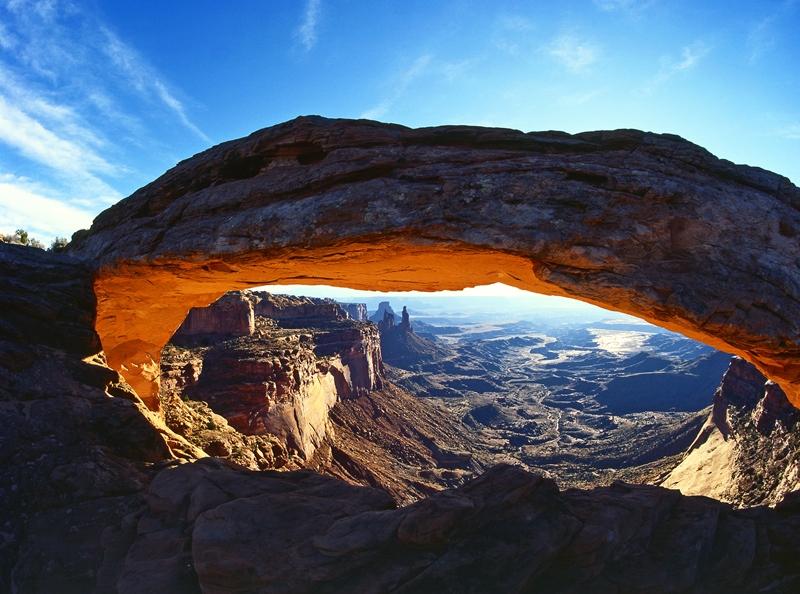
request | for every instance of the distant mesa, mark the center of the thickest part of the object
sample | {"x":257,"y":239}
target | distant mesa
{"x":383,"y":308}
{"x":683,"y":388}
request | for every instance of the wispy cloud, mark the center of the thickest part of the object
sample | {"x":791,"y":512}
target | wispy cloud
{"x":512,"y":33}
{"x":69,"y":88}
{"x":307,"y":31}
{"x":763,"y":35}
{"x":514,"y":22}
{"x":400,"y":83}
{"x":791,"y":131}
{"x":66,"y":157}
{"x":452,"y":71}
{"x":7,"y":39}
{"x":145,"y":79}
{"x":24,"y":205}
{"x":582,"y":97}
{"x":631,"y":7}
{"x":690,"y":56}
{"x":572,"y":52}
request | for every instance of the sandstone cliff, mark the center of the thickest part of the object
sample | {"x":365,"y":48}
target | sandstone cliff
{"x":232,"y":315}
{"x":356,"y":311}
{"x":99,"y":496}
{"x":77,"y":445}
{"x":220,"y":531}
{"x":647,"y":224}
{"x":748,"y":450}
{"x":401,"y":346}
{"x":305,"y":388}
{"x":384,"y":307}
{"x":292,"y":362}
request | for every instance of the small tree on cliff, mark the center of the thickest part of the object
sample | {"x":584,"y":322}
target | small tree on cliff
{"x":59,"y":243}
{"x":21,"y":237}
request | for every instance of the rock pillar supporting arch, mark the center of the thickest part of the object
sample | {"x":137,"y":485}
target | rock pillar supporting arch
{"x":646,"y":224}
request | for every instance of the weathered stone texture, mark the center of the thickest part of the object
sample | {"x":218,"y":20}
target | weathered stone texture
{"x":647,"y":224}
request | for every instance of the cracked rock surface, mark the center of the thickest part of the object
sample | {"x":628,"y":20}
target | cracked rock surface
{"x":648,"y":224}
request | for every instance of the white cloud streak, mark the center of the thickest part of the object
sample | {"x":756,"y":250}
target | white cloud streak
{"x":572,"y":52}
{"x":400,"y":85}
{"x":68,"y":159}
{"x":68,"y":90}
{"x":792,"y":132}
{"x":307,"y":31}
{"x":763,"y":36}
{"x":145,"y":79}
{"x":25,"y":206}
{"x":690,"y":56}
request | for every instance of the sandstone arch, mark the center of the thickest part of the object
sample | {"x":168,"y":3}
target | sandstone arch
{"x":642,"y":223}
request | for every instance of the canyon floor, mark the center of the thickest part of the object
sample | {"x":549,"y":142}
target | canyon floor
{"x":587,"y":402}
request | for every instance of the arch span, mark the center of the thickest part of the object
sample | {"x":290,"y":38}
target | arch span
{"x":642,"y":223}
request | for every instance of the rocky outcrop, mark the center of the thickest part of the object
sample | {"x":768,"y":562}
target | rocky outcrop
{"x":405,"y":321}
{"x":405,"y":445}
{"x":211,"y":432}
{"x":647,"y":224}
{"x":306,"y":390}
{"x":383,"y":312}
{"x":280,"y":380}
{"x":356,"y":311}
{"x":77,"y":445}
{"x":748,"y":450}
{"x":210,"y":528}
{"x":401,"y":346}
{"x":296,"y":311}
{"x":231,"y":315}
{"x":99,"y":496}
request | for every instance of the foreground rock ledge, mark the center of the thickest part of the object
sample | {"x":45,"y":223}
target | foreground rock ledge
{"x":95,"y":499}
{"x":642,"y":223}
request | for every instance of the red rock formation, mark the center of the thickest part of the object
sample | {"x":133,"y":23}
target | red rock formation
{"x":646,"y":224}
{"x":748,"y":451}
{"x":506,"y":531}
{"x":380,"y":315}
{"x":231,"y":315}
{"x":401,"y":346}
{"x":94,"y":498}
{"x":281,"y":379}
{"x":356,"y":311}
{"x":302,"y":310}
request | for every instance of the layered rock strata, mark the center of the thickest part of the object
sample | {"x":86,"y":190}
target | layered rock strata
{"x":647,"y":224}
{"x":77,"y":445}
{"x":383,"y":313}
{"x":306,"y":389}
{"x":281,"y":379}
{"x":401,"y":346}
{"x":356,"y":311}
{"x":748,"y":450}
{"x":232,"y":315}
{"x":99,"y":496}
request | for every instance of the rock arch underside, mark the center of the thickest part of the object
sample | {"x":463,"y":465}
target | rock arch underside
{"x":646,"y":224}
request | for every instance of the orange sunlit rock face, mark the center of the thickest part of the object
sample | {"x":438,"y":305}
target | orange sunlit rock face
{"x":641,"y":223}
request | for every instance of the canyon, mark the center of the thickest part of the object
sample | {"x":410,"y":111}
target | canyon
{"x":139,"y":453}
{"x":305,"y":382}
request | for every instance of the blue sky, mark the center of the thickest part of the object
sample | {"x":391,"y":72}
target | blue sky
{"x":98,"y":98}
